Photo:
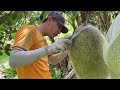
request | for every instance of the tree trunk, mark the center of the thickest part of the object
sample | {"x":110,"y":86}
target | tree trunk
{"x":83,"y":16}
{"x":107,"y":20}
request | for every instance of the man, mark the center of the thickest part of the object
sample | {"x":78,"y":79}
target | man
{"x":31,"y":54}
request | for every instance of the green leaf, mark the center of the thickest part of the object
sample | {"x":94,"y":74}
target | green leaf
{"x":7,"y":47}
{"x":15,"y":15}
{"x":10,"y":37}
{"x":1,"y":48}
{"x":14,"y":30}
{"x":46,"y":14}
{"x":1,"y":52}
{"x":32,"y":21}
{"x":74,"y":12}
{"x":13,"y":34}
{"x":7,"y":52}
{"x":1,"y":37}
{"x":10,"y":22}
{"x":1,"y":42}
{"x":42,"y":15}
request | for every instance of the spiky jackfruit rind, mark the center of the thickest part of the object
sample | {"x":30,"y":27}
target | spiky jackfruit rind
{"x":86,"y":54}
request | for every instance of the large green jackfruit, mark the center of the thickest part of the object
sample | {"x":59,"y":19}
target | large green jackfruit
{"x":86,"y":54}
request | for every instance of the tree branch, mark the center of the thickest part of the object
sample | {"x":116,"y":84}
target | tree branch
{"x":70,"y":75}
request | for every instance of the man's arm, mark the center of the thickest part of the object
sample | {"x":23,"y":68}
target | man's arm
{"x":23,"y":58}
{"x":57,"y":58}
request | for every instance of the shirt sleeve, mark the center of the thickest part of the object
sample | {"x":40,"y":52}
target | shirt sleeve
{"x":24,"y":39}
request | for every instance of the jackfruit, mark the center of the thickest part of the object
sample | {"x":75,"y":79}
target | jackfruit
{"x":86,"y":54}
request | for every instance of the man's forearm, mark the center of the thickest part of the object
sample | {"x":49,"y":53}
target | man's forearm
{"x":23,"y":58}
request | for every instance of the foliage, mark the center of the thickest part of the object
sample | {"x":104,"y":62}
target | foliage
{"x":3,"y":58}
{"x":10,"y":73}
{"x":56,"y":74}
{"x":6,"y":72}
{"x":101,"y":19}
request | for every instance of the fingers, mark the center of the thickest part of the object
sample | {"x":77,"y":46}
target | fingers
{"x":68,"y":37}
{"x":62,"y":54}
{"x":60,"y":47}
{"x":67,"y":41}
{"x":56,"y":47}
{"x":65,"y":46}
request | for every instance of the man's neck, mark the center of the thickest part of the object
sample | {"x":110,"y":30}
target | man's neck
{"x":41,"y":28}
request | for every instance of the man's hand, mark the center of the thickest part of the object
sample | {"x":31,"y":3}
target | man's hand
{"x":57,"y":46}
{"x":57,"y":58}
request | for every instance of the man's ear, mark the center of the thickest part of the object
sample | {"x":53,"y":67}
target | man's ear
{"x":49,"y":20}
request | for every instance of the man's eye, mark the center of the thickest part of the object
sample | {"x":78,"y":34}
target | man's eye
{"x":60,"y":27}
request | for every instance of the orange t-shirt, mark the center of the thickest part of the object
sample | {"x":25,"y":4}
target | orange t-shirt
{"x":30,"y":38}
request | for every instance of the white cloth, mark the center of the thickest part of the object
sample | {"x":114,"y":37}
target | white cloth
{"x":114,"y":30}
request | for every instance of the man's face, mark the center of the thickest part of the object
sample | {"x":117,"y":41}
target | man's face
{"x":54,"y":28}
